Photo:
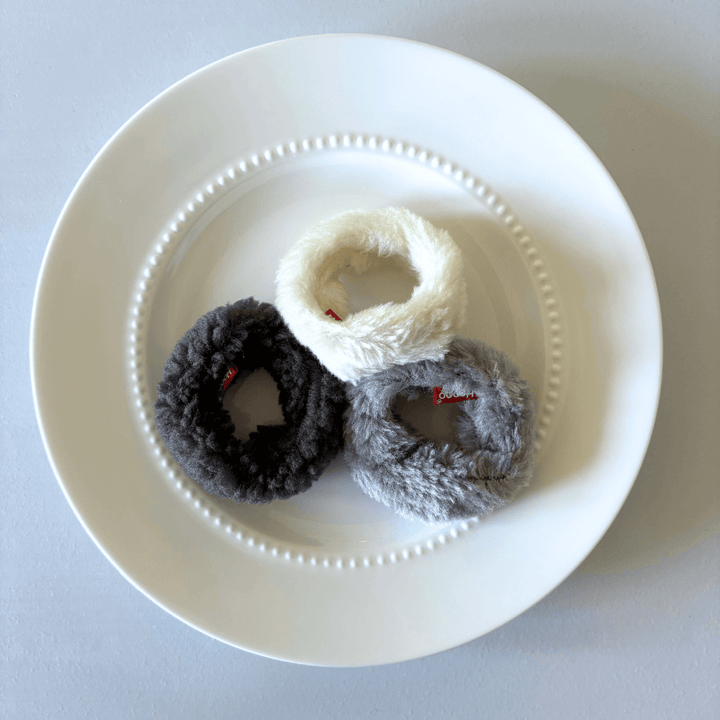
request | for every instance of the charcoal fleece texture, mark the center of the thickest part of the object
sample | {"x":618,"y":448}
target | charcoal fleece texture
{"x":277,"y":461}
{"x":490,"y":459}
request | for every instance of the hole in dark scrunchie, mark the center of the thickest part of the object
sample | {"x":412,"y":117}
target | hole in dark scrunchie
{"x":253,"y":399}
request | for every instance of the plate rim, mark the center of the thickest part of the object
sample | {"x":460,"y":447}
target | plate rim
{"x":57,"y":231}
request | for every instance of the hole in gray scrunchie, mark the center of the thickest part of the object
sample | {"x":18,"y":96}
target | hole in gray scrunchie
{"x":435,"y":423}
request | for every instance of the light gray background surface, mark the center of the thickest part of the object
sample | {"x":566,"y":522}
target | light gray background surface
{"x":633,"y":633}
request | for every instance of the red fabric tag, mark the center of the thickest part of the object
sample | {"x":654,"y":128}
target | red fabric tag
{"x":228,"y":378}
{"x":440,"y":398}
{"x":333,"y":315}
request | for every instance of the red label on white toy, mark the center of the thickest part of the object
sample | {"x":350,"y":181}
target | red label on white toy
{"x":333,"y":315}
{"x":442,"y":398}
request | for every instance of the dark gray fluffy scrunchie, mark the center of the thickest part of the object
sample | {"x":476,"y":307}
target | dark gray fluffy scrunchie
{"x":493,"y":450}
{"x":277,"y":461}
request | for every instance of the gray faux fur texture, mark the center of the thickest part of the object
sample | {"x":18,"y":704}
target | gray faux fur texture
{"x":277,"y":461}
{"x":389,"y":334}
{"x":492,"y":455}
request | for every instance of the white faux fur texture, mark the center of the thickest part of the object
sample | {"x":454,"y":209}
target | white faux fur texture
{"x":378,"y":337}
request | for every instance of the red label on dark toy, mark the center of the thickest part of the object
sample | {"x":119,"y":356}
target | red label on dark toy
{"x":228,"y":378}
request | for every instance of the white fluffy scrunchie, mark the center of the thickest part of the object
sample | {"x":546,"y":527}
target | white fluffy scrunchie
{"x":378,"y":337}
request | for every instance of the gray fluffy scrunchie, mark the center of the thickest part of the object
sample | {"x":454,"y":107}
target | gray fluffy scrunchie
{"x":493,"y":451}
{"x":277,"y":461}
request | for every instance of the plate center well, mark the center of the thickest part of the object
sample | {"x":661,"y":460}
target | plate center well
{"x":232,"y":249}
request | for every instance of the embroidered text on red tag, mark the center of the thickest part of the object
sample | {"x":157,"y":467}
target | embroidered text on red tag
{"x":441,"y":398}
{"x":227,"y":379}
{"x":333,"y":315}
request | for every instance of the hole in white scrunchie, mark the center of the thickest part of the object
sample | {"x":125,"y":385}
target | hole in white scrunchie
{"x":356,"y":281}
{"x":253,"y":399}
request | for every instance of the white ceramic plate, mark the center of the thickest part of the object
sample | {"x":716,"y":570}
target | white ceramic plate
{"x":192,"y":203}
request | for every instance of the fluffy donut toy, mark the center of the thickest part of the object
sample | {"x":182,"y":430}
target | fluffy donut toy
{"x":490,"y":459}
{"x":277,"y":461}
{"x":378,"y":337}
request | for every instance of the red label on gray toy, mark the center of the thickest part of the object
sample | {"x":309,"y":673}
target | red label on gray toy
{"x":440,"y":397}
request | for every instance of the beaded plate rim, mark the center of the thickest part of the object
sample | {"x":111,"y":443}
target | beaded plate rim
{"x":210,"y":193}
